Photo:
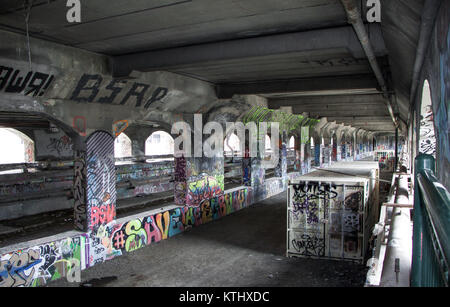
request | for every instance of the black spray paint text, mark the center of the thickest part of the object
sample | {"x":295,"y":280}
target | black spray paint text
{"x":90,"y":86}
{"x":33,"y":83}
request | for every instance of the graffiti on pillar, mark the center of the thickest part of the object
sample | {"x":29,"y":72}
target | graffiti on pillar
{"x":325,"y":155}
{"x":298,"y":160}
{"x":79,"y":190}
{"x":101,"y":179}
{"x":343,"y":151}
{"x":247,"y":170}
{"x":281,"y":168}
{"x":180,"y":187}
{"x":317,"y":149}
{"x":27,"y":83}
{"x":334,"y":154}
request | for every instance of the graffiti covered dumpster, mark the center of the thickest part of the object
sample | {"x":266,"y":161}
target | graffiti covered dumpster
{"x":326,"y":216}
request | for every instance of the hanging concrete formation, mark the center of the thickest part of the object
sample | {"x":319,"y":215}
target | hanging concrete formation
{"x":142,"y":121}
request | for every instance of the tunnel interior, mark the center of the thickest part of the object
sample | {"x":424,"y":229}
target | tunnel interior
{"x":143,"y":121}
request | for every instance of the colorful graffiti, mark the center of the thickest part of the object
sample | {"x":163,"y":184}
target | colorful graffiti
{"x":206,"y":188}
{"x":288,"y":122}
{"x":38,"y":265}
{"x":101,"y":179}
{"x":66,"y":258}
{"x":180,"y":187}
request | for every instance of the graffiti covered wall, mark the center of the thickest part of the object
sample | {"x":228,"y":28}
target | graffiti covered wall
{"x":41,"y":264}
{"x":437,"y":72}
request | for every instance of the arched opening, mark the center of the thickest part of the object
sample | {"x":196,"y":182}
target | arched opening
{"x":268,"y":147}
{"x":427,"y":143}
{"x":122,"y":146}
{"x":160,"y":143}
{"x":291,"y":143}
{"x":232,"y":146}
{"x":20,"y":148}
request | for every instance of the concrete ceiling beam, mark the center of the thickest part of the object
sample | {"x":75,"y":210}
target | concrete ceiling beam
{"x":339,"y":39}
{"x":341,"y":83}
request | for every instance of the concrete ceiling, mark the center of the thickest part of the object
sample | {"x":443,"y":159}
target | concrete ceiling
{"x":295,"y":53}
{"x":118,"y":27}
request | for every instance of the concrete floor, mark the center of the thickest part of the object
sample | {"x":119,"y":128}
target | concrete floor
{"x":246,"y":249}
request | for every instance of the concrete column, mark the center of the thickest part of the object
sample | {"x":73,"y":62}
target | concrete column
{"x":95,"y":182}
{"x":281,"y":169}
{"x":326,"y":152}
{"x":137,"y":147}
{"x":305,"y":153}
{"x":258,"y":173}
{"x":334,"y":151}
{"x":299,"y":151}
{"x":180,"y":184}
{"x":317,"y":151}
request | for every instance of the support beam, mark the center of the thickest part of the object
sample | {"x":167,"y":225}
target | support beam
{"x":342,"y":83}
{"x":342,"y":38}
{"x":368,"y":99}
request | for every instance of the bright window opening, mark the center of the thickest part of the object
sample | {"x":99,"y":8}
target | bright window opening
{"x":159,"y":143}
{"x":427,"y":144}
{"x":122,"y":146}
{"x":17,"y":147}
{"x":231,"y":145}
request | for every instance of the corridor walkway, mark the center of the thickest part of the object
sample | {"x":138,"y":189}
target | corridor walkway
{"x":246,"y":249}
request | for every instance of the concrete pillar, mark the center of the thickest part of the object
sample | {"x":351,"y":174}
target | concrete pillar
{"x":334,"y":151}
{"x":138,"y":147}
{"x":258,"y":173}
{"x":298,"y":154}
{"x":95,"y":182}
{"x":343,"y":148}
{"x":281,"y":168}
{"x":180,"y":183}
{"x":305,"y":153}
{"x":326,"y":152}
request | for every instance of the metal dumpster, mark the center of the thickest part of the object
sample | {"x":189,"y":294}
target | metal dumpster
{"x":326,"y":216}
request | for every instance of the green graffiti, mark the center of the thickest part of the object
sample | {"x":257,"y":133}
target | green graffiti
{"x":287,"y":122}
